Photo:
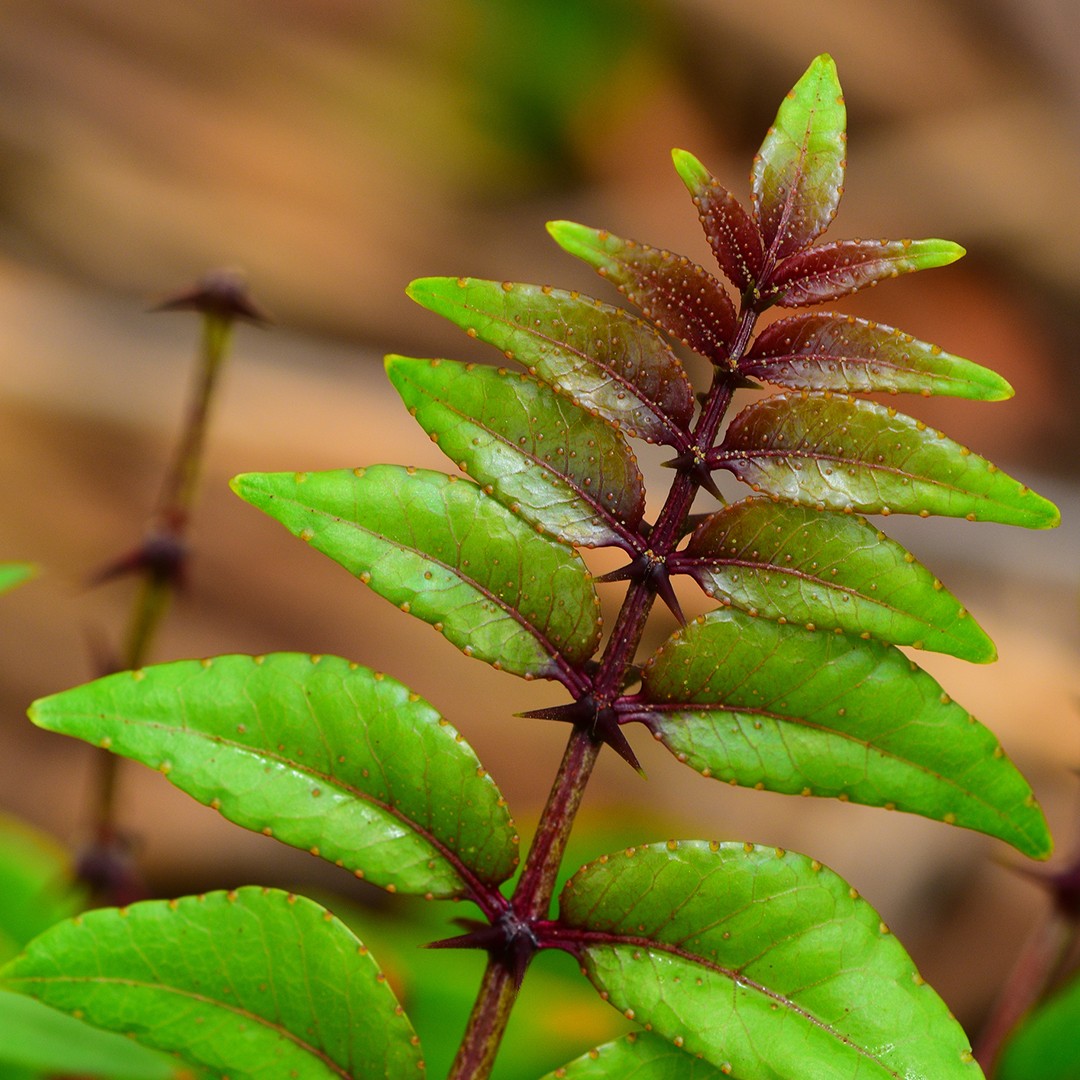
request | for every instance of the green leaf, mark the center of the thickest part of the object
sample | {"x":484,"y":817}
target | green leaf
{"x":604,"y":359}
{"x":799,"y":565}
{"x":764,"y":963}
{"x":319,"y":752}
{"x":752,"y":702}
{"x":798,"y":174}
{"x":834,"y":270}
{"x":252,"y":983}
{"x":859,"y":456}
{"x":731,"y":231}
{"x":672,"y":292}
{"x":14,"y":573}
{"x":535,"y":451}
{"x":442,"y":550}
{"x":36,"y":886}
{"x":640,"y":1055}
{"x":840,"y":352}
{"x":1045,"y":1044}
{"x":33,"y":1036}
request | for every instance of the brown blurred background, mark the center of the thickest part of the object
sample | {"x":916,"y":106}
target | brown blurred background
{"x":337,"y":149}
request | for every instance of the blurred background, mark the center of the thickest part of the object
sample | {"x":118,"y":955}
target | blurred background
{"x":336,"y":149}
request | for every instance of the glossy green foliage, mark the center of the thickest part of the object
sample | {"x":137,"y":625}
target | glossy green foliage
{"x":318,"y":752}
{"x":753,"y":702}
{"x":535,"y":451}
{"x":763,"y":962}
{"x":672,"y":292}
{"x":442,"y":550}
{"x":43,"y":1041}
{"x":1046,"y":1045}
{"x":638,"y":1056}
{"x":825,"y":351}
{"x":800,"y":565}
{"x":798,"y":173}
{"x":859,"y":456}
{"x":36,"y":886}
{"x":603,"y":359}
{"x":252,"y":983}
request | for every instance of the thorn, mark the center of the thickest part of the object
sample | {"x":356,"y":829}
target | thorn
{"x":600,"y":721}
{"x":573,"y":712}
{"x":624,"y":573}
{"x":223,"y":293}
{"x":702,"y":476}
{"x":162,"y":555}
{"x":509,"y":939}
{"x":660,"y":580}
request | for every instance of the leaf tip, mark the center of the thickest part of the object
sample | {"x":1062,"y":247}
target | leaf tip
{"x":692,"y":173}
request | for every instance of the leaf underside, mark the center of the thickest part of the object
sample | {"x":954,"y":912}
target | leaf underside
{"x":804,"y":566}
{"x":604,"y":359}
{"x":753,"y":702}
{"x":540,"y":455}
{"x":853,"y":455}
{"x":252,"y":983}
{"x":442,"y":550}
{"x":321,"y":753}
{"x":763,"y":962}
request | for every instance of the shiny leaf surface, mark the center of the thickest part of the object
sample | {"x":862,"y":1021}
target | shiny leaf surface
{"x":321,"y":753}
{"x":800,"y":565}
{"x":859,"y":456}
{"x":840,"y":352}
{"x":641,"y":1055}
{"x":765,"y":963}
{"x":252,"y":983}
{"x":672,"y":292}
{"x":534,"y":450}
{"x":730,"y":230}
{"x":604,"y":359}
{"x":798,"y":174}
{"x":442,"y":550}
{"x":752,"y":702}
{"x":834,"y":270}
{"x":37,"y":1038}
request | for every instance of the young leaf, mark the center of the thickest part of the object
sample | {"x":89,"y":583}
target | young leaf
{"x":840,"y":352}
{"x":859,"y":456}
{"x":641,"y":1055}
{"x":762,"y":962}
{"x":731,"y":231}
{"x":1045,"y":1045}
{"x":442,"y":550}
{"x":834,"y":270}
{"x":798,"y":174}
{"x":674,"y":293}
{"x":36,"y":885}
{"x":755,"y":703}
{"x":252,"y":983}
{"x":14,"y":573}
{"x":322,"y":754}
{"x":37,"y":1038}
{"x":604,"y":359}
{"x":799,"y":565}
{"x":534,"y":450}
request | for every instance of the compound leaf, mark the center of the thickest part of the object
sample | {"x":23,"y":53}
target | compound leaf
{"x":735,"y":239}
{"x":672,"y":292}
{"x":855,"y":455}
{"x":762,"y":962}
{"x":252,"y":983}
{"x":800,"y":565}
{"x":604,"y":359}
{"x":756,"y":703}
{"x":442,"y":550}
{"x":798,"y":174}
{"x":824,"y":351}
{"x":640,"y":1055}
{"x":321,"y":753}
{"x":534,"y":450}
{"x":834,"y":270}
{"x":37,"y":1038}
